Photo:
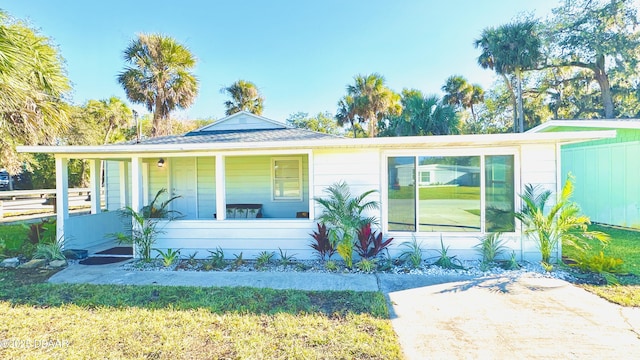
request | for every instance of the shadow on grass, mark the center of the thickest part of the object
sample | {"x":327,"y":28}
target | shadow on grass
{"x":27,"y":288}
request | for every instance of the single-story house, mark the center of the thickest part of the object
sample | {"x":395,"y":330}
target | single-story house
{"x":606,"y":171}
{"x":244,"y":162}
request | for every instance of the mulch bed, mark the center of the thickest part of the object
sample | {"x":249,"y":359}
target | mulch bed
{"x":102,"y":260}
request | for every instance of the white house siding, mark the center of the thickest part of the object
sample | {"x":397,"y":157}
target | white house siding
{"x":206,"y":172}
{"x":112,"y":185}
{"x":86,"y":231}
{"x":249,"y":237}
{"x":539,"y":167}
{"x":613,"y":170}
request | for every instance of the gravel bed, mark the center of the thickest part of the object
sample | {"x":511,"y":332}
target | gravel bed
{"x":472,"y":268}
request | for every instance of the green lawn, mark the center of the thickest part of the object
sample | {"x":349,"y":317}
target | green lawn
{"x":111,"y":321}
{"x":624,"y":244}
{"x":437,"y":192}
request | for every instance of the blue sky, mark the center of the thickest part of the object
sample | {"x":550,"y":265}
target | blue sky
{"x":300,"y":54}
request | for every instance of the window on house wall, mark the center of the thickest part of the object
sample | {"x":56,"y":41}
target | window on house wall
{"x":287,"y":178}
{"x":449,"y":198}
{"x":499,"y":193}
{"x":401,"y":195}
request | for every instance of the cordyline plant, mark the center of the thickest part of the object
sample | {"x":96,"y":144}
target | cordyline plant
{"x":369,"y":243}
{"x":343,"y":215}
{"x":562,"y":223}
{"x":322,"y":245}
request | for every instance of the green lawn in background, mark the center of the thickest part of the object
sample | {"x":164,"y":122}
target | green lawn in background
{"x":437,"y":192}
{"x":624,"y":244}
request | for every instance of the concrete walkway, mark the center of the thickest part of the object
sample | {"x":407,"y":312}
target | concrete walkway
{"x":446,"y":317}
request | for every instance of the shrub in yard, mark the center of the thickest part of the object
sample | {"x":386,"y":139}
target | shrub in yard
{"x":490,"y":247}
{"x":145,"y":230}
{"x":343,"y":215}
{"x":322,"y":245}
{"x":445,"y":261}
{"x":215,"y":260}
{"x":264,"y":258}
{"x":412,"y":253}
{"x":369,"y":243}
{"x":49,"y":251}
{"x":607,"y":266}
{"x":168,"y":257}
{"x":562,"y":223}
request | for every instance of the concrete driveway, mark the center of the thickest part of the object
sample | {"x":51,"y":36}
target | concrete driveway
{"x":518,"y":317}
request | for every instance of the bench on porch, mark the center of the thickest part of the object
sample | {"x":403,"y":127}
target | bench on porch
{"x":243,"y":211}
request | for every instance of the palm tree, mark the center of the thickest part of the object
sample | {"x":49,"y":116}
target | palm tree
{"x":32,"y":87}
{"x":511,"y":49}
{"x":458,"y":92}
{"x":368,"y":101}
{"x":159,"y":77}
{"x":112,"y":114}
{"x":424,"y":115}
{"x":553,"y":224}
{"x":245,"y":96}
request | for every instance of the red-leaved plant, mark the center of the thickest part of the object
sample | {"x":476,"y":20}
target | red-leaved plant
{"x":322,"y":244}
{"x":370,"y":243}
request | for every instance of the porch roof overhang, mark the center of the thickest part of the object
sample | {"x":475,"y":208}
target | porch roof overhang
{"x":424,"y":142}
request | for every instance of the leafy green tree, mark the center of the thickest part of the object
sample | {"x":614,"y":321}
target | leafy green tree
{"x":368,"y":101}
{"x":245,"y":96}
{"x":423,"y":115}
{"x":597,"y":36}
{"x":511,"y":49}
{"x":32,"y":89}
{"x":159,"y":76}
{"x":322,"y":122}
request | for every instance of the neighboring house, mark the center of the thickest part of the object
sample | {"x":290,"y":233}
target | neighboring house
{"x":606,"y":171}
{"x":246,"y":162}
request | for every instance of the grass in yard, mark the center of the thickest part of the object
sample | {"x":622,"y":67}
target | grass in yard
{"x":12,"y":231}
{"x":437,"y":192}
{"x":111,"y":321}
{"x":624,"y":244}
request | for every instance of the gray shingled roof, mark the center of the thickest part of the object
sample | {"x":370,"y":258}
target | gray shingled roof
{"x":239,"y":136}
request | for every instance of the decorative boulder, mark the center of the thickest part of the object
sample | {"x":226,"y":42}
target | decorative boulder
{"x":33,"y":264}
{"x":58,"y":263}
{"x":10,"y":262}
{"x":76,"y":254}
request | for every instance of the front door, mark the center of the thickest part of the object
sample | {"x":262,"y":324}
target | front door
{"x":183,"y":173}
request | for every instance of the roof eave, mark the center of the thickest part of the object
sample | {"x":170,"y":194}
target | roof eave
{"x":493,"y":140}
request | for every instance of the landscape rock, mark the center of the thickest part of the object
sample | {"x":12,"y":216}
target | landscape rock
{"x":10,"y":262}
{"x":76,"y":254}
{"x":33,"y":264}
{"x":58,"y":263}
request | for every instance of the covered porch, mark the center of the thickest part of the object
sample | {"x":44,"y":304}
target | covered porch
{"x":247,"y":201}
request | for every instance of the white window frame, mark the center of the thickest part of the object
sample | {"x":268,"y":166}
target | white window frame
{"x":273,"y":179}
{"x":449,"y":152}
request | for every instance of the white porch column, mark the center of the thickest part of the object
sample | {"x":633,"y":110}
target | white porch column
{"x":221,"y":208}
{"x":62,"y":196}
{"x":136,"y":183}
{"x":94,"y":186}
{"x":123,"y":172}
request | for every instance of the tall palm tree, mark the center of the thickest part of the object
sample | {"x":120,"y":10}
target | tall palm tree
{"x":245,"y":96}
{"x":368,"y":101}
{"x":511,"y":49}
{"x":159,"y":76}
{"x":32,"y":87}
